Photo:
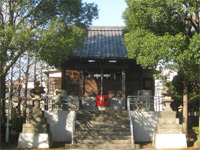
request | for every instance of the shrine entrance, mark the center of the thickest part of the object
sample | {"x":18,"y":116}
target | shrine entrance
{"x":102,"y":89}
{"x":98,"y":84}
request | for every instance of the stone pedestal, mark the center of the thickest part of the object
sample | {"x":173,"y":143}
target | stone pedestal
{"x":167,"y":141}
{"x":36,"y":130}
{"x":169,"y":133}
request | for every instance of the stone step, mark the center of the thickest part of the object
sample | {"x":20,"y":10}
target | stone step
{"x":37,"y":120}
{"x":41,"y":125}
{"x":105,"y":137}
{"x":168,"y":121}
{"x":169,"y":126}
{"x":98,"y":122}
{"x":103,"y":130}
{"x":102,"y":127}
{"x":94,"y":141}
{"x":103,"y":118}
{"x":106,"y":133}
{"x":100,"y":146}
{"x":169,"y":131}
{"x":40,"y":128}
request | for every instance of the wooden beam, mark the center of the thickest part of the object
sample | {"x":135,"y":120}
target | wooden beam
{"x":104,"y":66}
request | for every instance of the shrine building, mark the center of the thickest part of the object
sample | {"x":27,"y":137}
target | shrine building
{"x":102,"y":67}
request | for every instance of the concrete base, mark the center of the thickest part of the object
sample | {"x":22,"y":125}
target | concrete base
{"x":170,"y":141}
{"x":61,"y":124}
{"x":144,"y":125}
{"x":34,"y":140}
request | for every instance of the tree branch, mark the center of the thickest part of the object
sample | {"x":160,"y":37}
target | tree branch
{"x":31,"y":11}
{"x":13,"y":61}
{"x":194,"y":19}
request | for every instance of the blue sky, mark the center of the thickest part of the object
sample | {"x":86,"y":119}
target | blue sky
{"x":110,"y":12}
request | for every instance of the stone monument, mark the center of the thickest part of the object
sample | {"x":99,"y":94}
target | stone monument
{"x":169,"y":133}
{"x":36,"y":130}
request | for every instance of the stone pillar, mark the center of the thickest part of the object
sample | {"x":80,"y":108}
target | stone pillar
{"x":169,"y":133}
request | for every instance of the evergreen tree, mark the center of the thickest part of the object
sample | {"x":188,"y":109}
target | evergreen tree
{"x":165,"y":33}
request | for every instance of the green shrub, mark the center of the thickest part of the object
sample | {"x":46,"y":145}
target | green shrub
{"x":16,"y":123}
{"x":196,"y":130}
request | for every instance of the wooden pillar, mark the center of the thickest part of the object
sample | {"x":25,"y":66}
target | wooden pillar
{"x":63,"y":78}
{"x":141,"y":84}
{"x":80,"y":88}
{"x":124,"y":89}
{"x":101,"y":85}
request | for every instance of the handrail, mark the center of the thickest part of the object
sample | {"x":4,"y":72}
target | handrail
{"x":131,"y":121}
{"x":73,"y":130}
{"x":148,"y":103}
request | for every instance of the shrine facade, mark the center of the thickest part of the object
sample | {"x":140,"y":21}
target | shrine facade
{"x":102,"y":67}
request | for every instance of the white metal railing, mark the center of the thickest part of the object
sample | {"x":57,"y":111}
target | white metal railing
{"x":75,"y":113}
{"x":146,"y":103}
{"x":131,"y":121}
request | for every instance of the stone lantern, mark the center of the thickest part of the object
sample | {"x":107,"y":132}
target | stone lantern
{"x":36,"y":131}
{"x":167,"y":112}
{"x":168,"y":129}
{"x":37,"y":91}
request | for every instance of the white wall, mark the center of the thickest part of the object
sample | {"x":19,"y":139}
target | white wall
{"x":144,"y":125}
{"x":61,"y":124}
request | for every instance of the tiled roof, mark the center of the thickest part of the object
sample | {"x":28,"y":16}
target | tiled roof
{"x":103,"y":42}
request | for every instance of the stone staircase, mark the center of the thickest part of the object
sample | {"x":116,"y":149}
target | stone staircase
{"x":102,"y":130}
